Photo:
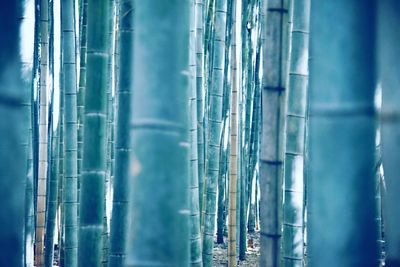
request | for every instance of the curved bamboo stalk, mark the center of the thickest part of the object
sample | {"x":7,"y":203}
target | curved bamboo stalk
{"x":94,"y":137}
{"x":342,"y":135}
{"x":159,"y":232}
{"x":119,"y":221}
{"x":43,"y":142}
{"x":293,"y":240}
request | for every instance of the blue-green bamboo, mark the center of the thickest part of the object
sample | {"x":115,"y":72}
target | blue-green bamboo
{"x":214,"y":129}
{"x":119,"y":219}
{"x":70,"y":192}
{"x":13,"y":131}
{"x":292,"y":245}
{"x":341,"y":205}
{"x":159,"y":167}
{"x":195,"y":235}
{"x":389,"y":51}
{"x":94,"y":137}
{"x":274,"y":18}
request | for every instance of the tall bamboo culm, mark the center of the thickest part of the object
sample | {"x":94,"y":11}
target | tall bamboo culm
{"x":119,"y":219}
{"x":232,"y":259}
{"x":94,"y":137}
{"x":43,"y":139}
{"x":70,"y":187}
{"x":296,"y":112}
{"x":214,"y":129}
{"x":195,"y":235}
{"x":274,"y":17}
{"x":14,"y":132}
{"x":388,"y":68}
{"x":159,"y":230}
{"x":341,"y":171}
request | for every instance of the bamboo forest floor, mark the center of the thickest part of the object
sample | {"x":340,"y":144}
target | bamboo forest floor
{"x":220,"y":253}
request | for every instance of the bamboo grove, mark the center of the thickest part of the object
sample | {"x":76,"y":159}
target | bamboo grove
{"x":147,"y":133}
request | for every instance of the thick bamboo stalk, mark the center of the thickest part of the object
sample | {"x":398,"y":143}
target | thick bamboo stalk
{"x":214,"y":130}
{"x":119,"y":219}
{"x":234,"y":144}
{"x":43,"y":125}
{"x":94,"y":137}
{"x":296,"y":112}
{"x":342,"y":135}
{"x":274,"y":16}
{"x":159,"y":167}
{"x":14,"y":132}
{"x":388,"y":52}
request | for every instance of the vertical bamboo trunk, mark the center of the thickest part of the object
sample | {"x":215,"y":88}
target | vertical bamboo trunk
{"x":159,"y":232}
{"x":214,"y":130}
{"x":389,"y":51}
{"x":28,"y":64}
{"x":342,"y":135}
{"x":296,"y":112}
{"x":82,"y":84}
{"x":234,"y":144}
{"x":199,"y":17}
{"x":52,"y":198}
{"x":195,"y":235}
{"x":274,"y":16}
{"x":43,"y":123}
{"x":119,"y":221}
{"x":70,"y":196}
{"x":94,"y":138}
{"x":13,"y":131}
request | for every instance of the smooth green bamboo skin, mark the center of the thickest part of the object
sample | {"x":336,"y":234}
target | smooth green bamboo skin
{"x":215,"y":128}
{"x":94,"y":145}
{"x":199,"y":18}
{"x":159,"y":168}
{"x":341,"y":211}
{"x":292,"y":245}
{"x":13,"y":133}
{"x":70,"y":196}
{"x":195,"y":235}
{"x":119,"y":218}
{"x":389,"y":52}
{"x":274,"y":41}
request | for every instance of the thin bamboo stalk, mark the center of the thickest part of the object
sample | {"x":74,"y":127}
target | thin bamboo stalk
{"x":234,"y":144}
{"x":43,"y":139}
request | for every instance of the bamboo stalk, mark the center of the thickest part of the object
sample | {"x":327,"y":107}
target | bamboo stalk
{"x":159,"y":233}
{"x":274,"y":16}
{"x":94,"y":137}
{"x":234,"y":144}
{"x":293,"y":240}
{"x":342,"y":135}
{"x":43,"y":125}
